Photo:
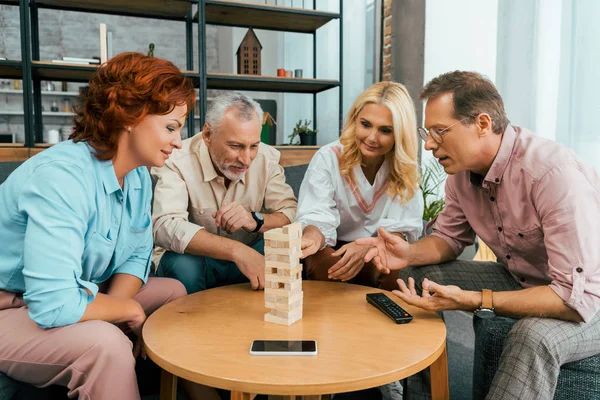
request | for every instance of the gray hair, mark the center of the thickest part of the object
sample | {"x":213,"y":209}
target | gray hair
{"x":244,"y":105}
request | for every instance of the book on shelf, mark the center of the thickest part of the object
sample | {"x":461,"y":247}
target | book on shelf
{"x":74,"y":62}
{"x":103,"y":44}
{"x":82,"y":60}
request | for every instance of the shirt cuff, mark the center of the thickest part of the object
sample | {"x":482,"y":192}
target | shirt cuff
{"x":183,"y":236}
{"x":289,"y":213}
{"x":456,"y":248}
{"x":135,"y":268}
{"x":576,"y":297}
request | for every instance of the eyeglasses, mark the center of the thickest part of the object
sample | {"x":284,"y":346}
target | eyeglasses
{"x":437,"y":134}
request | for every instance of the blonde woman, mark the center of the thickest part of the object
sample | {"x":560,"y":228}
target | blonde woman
{"x":366,"y":179}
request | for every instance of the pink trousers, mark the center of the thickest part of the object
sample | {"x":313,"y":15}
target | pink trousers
{"x":93,"y":359}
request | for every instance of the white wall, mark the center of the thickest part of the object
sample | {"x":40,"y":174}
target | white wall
{"x":459,"y":35}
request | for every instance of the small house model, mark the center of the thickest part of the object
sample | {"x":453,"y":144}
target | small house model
{"x":248,"y":54}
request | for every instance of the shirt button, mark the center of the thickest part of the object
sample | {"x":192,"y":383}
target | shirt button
{"x":521,"y":235}
{"x":579,"y":269}
{"x":499,"y":229}
{"x":508,"y":257}
{"x":492,"y":198}
{"x":522,"y":279}
{"x":497,"y":180}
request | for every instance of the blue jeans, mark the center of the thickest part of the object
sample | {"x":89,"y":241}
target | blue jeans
{"x":199,"y":273}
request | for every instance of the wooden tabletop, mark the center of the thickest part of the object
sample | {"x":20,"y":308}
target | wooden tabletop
{"x":206,"y":338}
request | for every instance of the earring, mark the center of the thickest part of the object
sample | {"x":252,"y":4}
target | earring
{"x":129,"y":129}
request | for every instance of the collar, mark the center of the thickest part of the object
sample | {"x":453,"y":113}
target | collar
{"x":208,"y":169}
{"x":496,"y":171}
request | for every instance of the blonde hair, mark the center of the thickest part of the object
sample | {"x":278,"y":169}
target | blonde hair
{"x":403,"y":178}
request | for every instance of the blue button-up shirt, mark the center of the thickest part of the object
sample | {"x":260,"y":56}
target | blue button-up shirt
{"x":66,"y":225}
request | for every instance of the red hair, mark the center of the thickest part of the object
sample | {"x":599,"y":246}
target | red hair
{"x":122,"y":93}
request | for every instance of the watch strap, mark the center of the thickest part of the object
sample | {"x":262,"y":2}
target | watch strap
{"x":487,"y":299}
{"x":259,"y":222}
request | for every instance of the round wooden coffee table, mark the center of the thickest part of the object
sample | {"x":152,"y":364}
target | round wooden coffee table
{"x":205,"y":338}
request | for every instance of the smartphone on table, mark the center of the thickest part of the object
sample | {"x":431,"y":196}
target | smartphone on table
{"x":284,"y":348}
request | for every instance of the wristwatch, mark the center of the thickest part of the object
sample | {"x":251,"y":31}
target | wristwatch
{"x":260,"y":220}
{"x":487,"y":308}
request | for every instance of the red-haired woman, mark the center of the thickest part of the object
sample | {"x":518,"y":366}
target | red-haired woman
{"x":76,"y":235}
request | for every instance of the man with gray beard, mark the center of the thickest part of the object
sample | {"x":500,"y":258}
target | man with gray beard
{"x":214,"y":198}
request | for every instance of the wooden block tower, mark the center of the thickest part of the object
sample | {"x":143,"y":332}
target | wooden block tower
{"x":283,"y":274}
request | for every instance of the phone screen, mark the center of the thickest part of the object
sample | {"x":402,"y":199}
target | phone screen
{"x":282,"y":346}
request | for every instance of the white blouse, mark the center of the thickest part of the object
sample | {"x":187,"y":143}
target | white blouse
{"x":348,"y":212}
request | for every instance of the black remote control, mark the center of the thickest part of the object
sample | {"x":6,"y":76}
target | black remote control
{"x":389,"y":308}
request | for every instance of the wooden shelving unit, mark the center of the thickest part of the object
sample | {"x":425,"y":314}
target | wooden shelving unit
{"x":32,"y":70}
{"x":277,"y":18}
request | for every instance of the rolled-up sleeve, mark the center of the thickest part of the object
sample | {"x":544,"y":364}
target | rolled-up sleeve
{"x":451,"y":225}
{"x":405,"y":218}
{"x":316,"y":202}
{"x":54,"y":242}
{"x":279,"y":196}
{"x":569,"y":208}
{"x":172,"y":229}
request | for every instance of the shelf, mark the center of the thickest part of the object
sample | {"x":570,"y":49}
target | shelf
{"x":268,"y":83}
{"x":79,"y":73}
{"x":44,"y":93}
{"x":10,"y":69}
{"x":62,"y":72}
{"x":161,"y":9}
{"x":259,"y":16}
{"x":44,"y":113}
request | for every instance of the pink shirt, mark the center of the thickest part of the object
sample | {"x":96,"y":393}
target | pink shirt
{"x":538,"y":209}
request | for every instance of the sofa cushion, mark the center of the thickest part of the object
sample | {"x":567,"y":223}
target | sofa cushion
{"x":294,"y":176}
{"x":6,"y":168}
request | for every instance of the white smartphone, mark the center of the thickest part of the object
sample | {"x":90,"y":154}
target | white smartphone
{"x":284,"y":348}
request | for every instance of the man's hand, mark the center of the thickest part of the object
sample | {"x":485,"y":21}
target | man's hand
{"x":252,"y":264}
{"x":435,"y":297}
{"x":351,"y":263}
{"x":233,"y":216}
{"x":387,"y":251}
{"x":312,"y":241}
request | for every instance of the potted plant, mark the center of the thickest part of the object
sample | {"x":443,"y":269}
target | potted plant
{"x":308,"y":136}
{"x":432,"y":177}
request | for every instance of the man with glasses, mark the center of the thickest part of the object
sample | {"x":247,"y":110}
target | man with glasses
{"x":537,"y":206}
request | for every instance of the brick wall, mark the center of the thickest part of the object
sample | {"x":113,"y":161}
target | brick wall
{"x":387,"y":40}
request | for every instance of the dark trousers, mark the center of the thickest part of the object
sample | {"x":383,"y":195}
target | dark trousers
{"x":199,"y":273}
{"x":319,"y":263}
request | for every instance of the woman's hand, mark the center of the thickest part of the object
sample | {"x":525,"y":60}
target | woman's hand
{"x":135,"y":324}
{"x":312,"y":241}
{"x":351,"y":263}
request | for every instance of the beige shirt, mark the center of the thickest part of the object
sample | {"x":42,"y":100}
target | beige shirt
{"x":188,"y":190}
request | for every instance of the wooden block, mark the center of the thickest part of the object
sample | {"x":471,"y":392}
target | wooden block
{"x":288,"y":303}
{"x":283,"y":306}
{"x":295,"y":249}
{"x":282,"y":321}
{"x":282,"y":244}
{"x":278,"y":265}
{"x":288,"y":289}
{"x":293,"y":228}
{"x":278,"y":235}
{"x":271,"y":298}
{"x":274,"y":285}
{"x":290,"y":272}
{"x":287,"y":314}
{"x":292,"y":260}
{"x":281,"y":279}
